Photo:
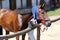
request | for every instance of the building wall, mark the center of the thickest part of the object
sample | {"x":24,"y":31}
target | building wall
{"x":5,"y":4}
{"x":0,"y":4}
{"x":33,"y":2}
{"x":18,"y":3}
{"x":23,"y":4}
{"x":47,"y":4}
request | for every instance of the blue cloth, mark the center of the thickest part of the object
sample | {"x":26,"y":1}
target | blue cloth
{"x":34,"y":12}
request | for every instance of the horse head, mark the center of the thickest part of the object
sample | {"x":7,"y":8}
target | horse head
{"x":43,"y":17}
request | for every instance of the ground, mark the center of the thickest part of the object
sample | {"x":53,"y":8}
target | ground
{"x":53,"y":32}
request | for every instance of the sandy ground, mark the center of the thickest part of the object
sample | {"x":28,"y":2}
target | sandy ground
{"x":53,"y":32}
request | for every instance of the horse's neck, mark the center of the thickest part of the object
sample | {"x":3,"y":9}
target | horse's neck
{"x":26,"y":17}
{"x":23,"y":20}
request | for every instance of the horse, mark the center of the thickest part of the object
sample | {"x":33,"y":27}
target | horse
{"x":9,"y":20}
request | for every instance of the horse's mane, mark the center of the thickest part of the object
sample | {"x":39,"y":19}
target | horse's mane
{"x":24,"y":11}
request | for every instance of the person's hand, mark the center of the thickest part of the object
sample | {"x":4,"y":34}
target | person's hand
{"x":43,"y":28}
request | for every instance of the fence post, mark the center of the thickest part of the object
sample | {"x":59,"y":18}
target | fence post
{"x":12,"y":4}
{"x":38,"y":33}
{"x":29,"y":3}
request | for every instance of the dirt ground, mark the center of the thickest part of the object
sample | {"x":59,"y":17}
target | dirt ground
{"x":53,"y":32}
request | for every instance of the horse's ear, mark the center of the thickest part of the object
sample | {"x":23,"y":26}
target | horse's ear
{"x":40,"y":6}
{"x":43,"y":5}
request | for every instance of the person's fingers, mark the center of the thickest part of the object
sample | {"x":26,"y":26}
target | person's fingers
{"x":43,"y":29}
{"x":46,"y":28}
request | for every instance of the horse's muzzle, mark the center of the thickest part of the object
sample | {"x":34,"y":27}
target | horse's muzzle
{"x":48,"y":23}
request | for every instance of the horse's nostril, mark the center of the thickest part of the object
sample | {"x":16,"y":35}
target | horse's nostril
{"x":48,"y":23}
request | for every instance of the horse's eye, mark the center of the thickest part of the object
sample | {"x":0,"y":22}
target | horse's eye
{"x":39,"y":11}
{"x":42,"y":12}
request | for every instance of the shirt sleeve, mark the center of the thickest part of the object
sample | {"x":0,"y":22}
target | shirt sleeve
{"x":33,"y":21}
{"x":34,"y":10}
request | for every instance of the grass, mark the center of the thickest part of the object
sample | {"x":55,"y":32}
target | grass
{"x":54,"y":11}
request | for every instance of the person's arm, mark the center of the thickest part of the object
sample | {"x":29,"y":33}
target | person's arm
{"x":34,"y":25}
